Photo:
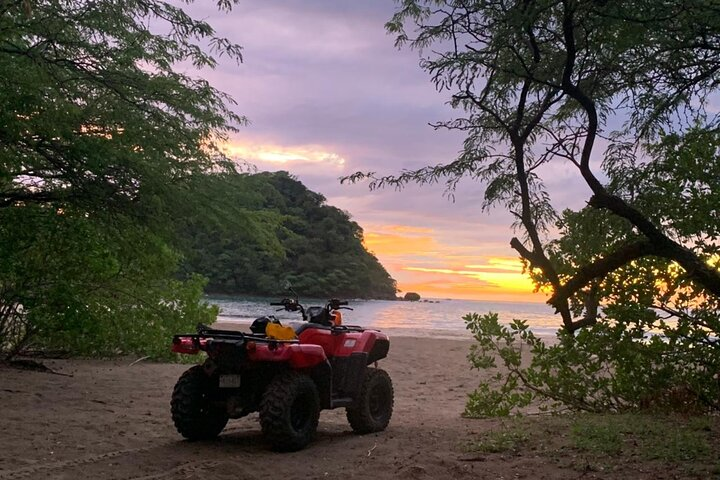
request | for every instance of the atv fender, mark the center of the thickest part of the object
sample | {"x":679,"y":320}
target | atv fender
{"x":371,"y":342}
{"x":297,"y":355}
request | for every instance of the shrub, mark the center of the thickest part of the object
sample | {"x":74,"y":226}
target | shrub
{"x":606,"y":367}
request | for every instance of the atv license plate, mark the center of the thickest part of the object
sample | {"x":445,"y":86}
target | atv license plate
{"x":229,"y":381}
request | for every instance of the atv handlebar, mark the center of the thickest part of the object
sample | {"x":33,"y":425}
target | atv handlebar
{"x":293,"y":305}
{"x":335,"y":304}
{"x":289,"y":304}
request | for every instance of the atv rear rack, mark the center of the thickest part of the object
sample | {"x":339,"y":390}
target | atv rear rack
{"x":192,"y":343}
{"x":206,"y":332}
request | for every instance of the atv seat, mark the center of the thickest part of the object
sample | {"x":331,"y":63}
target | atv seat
{"x":300,"y":327}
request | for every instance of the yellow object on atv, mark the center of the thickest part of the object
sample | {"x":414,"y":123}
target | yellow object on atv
{"x":279,"y":332}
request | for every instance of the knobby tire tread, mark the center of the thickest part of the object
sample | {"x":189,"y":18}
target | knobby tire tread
{"x":359,"y":415}
{"x":190,"y":423}
{"x":276,"y":407}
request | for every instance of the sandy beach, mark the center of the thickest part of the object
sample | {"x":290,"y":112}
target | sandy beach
{"x":110,"y":420}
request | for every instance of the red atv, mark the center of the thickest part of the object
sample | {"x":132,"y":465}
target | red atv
{"x":287,"y":373}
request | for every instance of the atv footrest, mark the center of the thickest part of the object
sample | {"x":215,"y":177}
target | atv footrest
{"x":341,"y":402}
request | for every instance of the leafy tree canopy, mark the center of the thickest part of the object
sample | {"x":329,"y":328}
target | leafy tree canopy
{"x":101,"y":143}
{"x":93,"y":106}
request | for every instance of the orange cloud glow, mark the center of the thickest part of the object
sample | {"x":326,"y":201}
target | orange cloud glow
{"x":281,"y":155}
{"x":423,"y":262}
{"x":394,"y":244}
{"x":499,"y":263}
{"x":510,"y":282}
{"x":466,"y":290}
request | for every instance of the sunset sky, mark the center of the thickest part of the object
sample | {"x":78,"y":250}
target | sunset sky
{"x":328,"y":94}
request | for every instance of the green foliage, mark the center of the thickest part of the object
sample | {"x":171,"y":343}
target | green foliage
{"x":678,"y":184}
{"x":651,"y":436}
{"x":93,"y":112}
{"x":70,"y":284}
{"x":607,"y":367}
{"x":597,"y":437}
{"x":102,"y":141}
{"x":615,"y":445}
{"x":506,"y":439}
{"x":655,"y":346}
{"x":296,"y":238}
{"x":505,"y":393}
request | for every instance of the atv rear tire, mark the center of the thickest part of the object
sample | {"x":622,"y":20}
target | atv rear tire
{"x":192,"y":412}
{"x":373,"y":408}
{"x":289,"y":411}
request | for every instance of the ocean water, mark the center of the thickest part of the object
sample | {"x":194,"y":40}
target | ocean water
{"x":439,"y":317}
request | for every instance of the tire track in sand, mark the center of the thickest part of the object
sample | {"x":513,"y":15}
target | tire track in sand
{"x":24,"y":472}
{"x":30,"y":471}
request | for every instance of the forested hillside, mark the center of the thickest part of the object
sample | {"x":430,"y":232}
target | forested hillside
{"x":295,"y":237}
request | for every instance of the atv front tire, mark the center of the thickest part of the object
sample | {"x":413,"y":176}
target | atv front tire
{"x":373,"y":408}
{"x":289,"y":411}
{"x":192,"y":412}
